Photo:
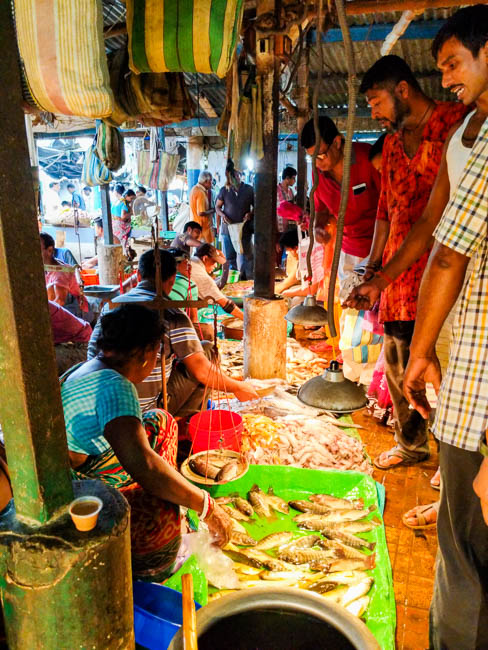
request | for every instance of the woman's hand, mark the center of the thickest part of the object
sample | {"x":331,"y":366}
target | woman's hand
{"x":245,"y":392}
{"x":219,"y":525}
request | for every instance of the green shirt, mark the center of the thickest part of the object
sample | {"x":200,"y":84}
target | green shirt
{"x":183,"y":289}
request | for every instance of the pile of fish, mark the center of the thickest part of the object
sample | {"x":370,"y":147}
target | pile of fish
{"x":301,"y":441}
{"x":301,"y":364}
{"x":326,"y":555}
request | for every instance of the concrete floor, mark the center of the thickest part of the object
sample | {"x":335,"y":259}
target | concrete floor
{"x":412,"y":555}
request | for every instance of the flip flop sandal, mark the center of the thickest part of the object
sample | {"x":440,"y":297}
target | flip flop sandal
{"x":399,"y":453}
{"x":419,"y":514}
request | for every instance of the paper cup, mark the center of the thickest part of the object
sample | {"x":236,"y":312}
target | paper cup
{"x":84,"y":512}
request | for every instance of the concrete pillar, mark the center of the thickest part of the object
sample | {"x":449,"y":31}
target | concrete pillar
{"x":109,"y":263}
{"x":194,"y":155}
{"x":61,"y":588}
{"x":265,"y":338}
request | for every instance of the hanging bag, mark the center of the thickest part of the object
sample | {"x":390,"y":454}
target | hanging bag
{"x":94,"y":171}
{"x":63,"y":55}
{"x":182,"y":36}
{"x":110,"y":146}
{"x":159,"y":174}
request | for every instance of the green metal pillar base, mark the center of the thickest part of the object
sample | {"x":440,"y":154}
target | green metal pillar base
{"x":61,"y":588}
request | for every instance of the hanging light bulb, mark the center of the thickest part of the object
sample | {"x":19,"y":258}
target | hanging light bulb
{"x":331,"y":391}
{"x":308,"y":313}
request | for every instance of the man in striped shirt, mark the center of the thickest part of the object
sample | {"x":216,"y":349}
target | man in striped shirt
{"x":459,"y":611}
{"x":188,"y":368}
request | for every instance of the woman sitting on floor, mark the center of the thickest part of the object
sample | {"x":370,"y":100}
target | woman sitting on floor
{"x":109,"y":440}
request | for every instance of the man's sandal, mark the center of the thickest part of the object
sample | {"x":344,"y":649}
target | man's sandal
{"x":419,"y":513}
{"x":398,"y":452}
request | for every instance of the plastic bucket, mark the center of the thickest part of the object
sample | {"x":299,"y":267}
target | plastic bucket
{"x":157,"y":614}
{"x":234,"y":276}
{"x":216,"y":429}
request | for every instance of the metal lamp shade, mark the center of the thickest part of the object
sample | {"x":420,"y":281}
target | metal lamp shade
{"x":308,"y":313}
{"x":331,"y":391}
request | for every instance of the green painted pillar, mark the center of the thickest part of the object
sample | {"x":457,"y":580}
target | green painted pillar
{"x":59,"y":588}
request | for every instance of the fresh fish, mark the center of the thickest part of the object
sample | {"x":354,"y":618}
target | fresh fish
{"x":229,"y":471}
{"x":307,"y":541}
{"x":308,"y":506}
{"x":356,"y":526}
{"x":223,"y":500}
{"x":200,"y":466}
{"x":262,"y":584}
{"x":277,"y":503}
{"x":344,"y":577}
{"x":242,"y":539}
{"x":274,"y":540}
{"x":358,"y":607}
{"x":234,"y":513}
{"x":335,"y":594}
{"x":304,"y":556}
{"x":240,"y":557}
{"x":323,"y":587}
{"x":356,"y":591}
{"x":344,"y":564}
{"x":246,"y":569}
{"x":334,"y":503}
{"x":347,"y":538}
{"x":258,"y":502}
{"x":244,"y":506}
{"x":346,"y":551}
{"x":347,"y":515}
{"x":271,"y":563}
{"x":282,"y":575}
{"x":309,"y":517}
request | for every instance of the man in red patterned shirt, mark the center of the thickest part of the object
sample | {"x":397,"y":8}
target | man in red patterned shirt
{"x":418,"y":127}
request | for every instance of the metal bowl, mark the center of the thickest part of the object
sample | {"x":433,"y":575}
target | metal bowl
{"x":233,"y":328}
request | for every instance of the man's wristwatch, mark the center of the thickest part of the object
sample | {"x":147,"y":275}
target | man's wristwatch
{"x":483,"y":448}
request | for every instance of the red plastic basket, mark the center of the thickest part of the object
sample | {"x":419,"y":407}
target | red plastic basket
{"x":216,"y":429}
{"x":90,"y":277}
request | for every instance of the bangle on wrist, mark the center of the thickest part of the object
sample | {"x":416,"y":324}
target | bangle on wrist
{"x":208,"y":506}
{"x":384,"y":276}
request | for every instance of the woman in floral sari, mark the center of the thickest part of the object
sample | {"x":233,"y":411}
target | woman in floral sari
{"x":109,"y":440}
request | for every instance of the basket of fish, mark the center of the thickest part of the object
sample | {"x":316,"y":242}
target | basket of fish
{"x":315,"y":530}
{"x":214,"y":467}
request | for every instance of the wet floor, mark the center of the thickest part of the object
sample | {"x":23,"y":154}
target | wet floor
{"x":412,"y":554}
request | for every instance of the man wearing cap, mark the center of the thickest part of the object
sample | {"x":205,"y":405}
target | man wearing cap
{"x":364,"y":192}
{"x":203,"y":263}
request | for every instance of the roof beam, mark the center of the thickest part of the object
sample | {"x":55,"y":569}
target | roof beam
{"x":356,"y":7}
{"x":420,"y":29}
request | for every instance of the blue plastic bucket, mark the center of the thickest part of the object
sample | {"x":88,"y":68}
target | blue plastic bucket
{"x":157,"y":614}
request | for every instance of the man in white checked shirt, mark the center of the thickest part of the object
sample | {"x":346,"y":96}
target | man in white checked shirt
{"x":459,"y":611}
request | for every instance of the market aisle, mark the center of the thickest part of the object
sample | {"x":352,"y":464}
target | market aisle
{"x":412,"y":555}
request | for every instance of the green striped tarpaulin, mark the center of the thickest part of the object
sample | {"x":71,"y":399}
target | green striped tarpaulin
{"x":183,"y":35}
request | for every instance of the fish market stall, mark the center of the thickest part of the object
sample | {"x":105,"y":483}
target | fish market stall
{"x":309,"y":530}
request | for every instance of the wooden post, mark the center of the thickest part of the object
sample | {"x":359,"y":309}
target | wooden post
{"x":302,"y":117}
{"x":109,"y":263}
{"x":163,"y":195}
{"x":108,"y":236}
{"x":265,"y":338}
{"x":59,"y":588}
{"x":266,"y":180}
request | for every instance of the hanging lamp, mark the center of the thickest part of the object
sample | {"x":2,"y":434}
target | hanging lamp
{"x":308,"y":313}
{"x":331,"y":391}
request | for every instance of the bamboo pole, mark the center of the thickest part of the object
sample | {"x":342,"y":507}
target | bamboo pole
{"x":189,"y":626}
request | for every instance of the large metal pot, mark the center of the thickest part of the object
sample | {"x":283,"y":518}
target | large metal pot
{"x":278,"y":617}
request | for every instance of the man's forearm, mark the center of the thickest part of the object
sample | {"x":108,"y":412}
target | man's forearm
{"x":381,"y":233}
{"x":441,"y":284}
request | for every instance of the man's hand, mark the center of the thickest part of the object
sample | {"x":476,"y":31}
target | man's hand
{"x":247,"y":217}
{"x":246,"y":392}
{"x":226,"y":220}
{"x":421,"y":371}
{"x":219,"y":525}
{"x":364,"y":295}
{"x":480,"y":487}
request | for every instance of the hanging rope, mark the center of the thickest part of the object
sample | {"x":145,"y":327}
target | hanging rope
{"x":351,"y":113}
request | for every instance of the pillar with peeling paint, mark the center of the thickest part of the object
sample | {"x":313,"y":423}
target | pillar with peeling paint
{"x":194,"y":158}
{"x":59,"y":588}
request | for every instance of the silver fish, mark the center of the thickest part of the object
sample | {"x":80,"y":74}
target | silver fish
{"x":308,"y":506}
{"x":229,"y":471}
{"x":344,"y":564}
{"x":274,"y":540}
{"x":277,"y":503}
{"x":347,"y":538}
{"x":244,"y":506}
{"x":242,"y":539}
{"x":200,"y":466}
{"x":304,"y":556}
{"x":358,"y":607}
{"x":258,"y":502}
{"x":234,"y":513}
{"x":334,"y":503}
{"x":348,"y":515}
{"x":307,"y":541}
